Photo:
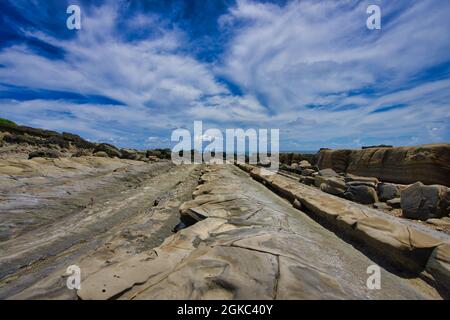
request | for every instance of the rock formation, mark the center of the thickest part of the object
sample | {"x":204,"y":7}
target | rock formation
{"x":429,"y":164}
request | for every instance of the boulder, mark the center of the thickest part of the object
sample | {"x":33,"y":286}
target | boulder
{"x":387,"y":191}
{"x":361,"y":194}
{"x":423,"y":202}
{"x":110,"y":150}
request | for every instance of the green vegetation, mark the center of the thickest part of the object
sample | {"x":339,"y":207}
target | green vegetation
{"x":6,"y":121}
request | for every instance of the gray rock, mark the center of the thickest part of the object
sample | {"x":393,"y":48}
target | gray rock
{"x":423,"y":202}
{"x":387,"y":191}
{"x":361,"y":194}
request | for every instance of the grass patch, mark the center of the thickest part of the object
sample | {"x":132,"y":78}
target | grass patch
{"x":6,"y":121}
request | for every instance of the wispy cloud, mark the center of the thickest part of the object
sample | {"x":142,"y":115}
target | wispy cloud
{"x":310,"y":68}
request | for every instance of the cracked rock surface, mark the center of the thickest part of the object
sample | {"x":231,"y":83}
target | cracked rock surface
{"x":247,"y":243}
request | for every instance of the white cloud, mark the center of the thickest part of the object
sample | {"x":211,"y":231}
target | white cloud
{"x":298,"y":68}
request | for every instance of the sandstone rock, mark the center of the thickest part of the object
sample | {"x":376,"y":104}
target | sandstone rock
{"x":110,"y":150}
{"x":405,"y":165}
{"x":334,"y":159}
{"x":387,"y":191}
{"x":424,"y":202}
{"x":361,"y":194}
{"x":394,"y":203}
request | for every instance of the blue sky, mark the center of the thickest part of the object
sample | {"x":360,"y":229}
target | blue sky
{"x":139,"y":69}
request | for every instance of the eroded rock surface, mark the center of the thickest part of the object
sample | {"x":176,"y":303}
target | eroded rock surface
{"x":429,"y":164}
{"x":58,"y":212}
{"x":247,"y":243}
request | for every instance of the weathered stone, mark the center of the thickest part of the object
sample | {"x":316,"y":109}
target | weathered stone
{"x":387,"y":191}
{"x":405,"y":165}
{"x":361,"y":194}
{"x":424,"y":202}
{"x":334,"y":159}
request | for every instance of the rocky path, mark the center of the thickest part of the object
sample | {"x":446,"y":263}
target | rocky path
{"x":108,"y":210}
{"x":248,"y":243}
